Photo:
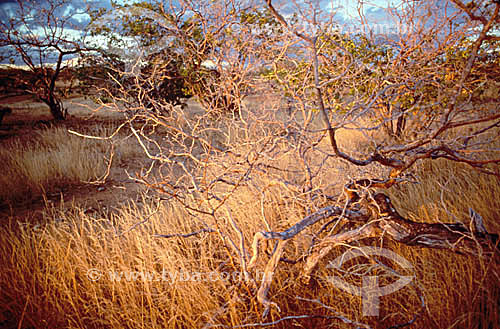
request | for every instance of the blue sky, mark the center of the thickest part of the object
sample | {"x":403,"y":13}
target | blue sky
{"x":72,"y":10}
{"x":8,"y":8}
{"x":375,"y":12}
{"x":345,"y":7}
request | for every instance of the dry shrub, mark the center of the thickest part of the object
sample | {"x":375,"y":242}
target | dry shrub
{"x":189,"y":282}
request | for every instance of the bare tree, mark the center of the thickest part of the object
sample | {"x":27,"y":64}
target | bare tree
{"x":39,"y":33}
{"x":410,"y":73}
{"x":330,"y":80}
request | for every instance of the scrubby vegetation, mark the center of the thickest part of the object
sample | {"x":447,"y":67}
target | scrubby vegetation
{"x":143,"y":280}
{"x":301,"y":143}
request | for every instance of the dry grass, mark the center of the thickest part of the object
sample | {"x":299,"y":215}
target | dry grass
{"x":183,"y":283}
{"x":46,"y":284}
{"x":55,"y":158}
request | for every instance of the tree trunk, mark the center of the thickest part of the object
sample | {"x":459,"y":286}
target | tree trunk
{"x":56,"y":108}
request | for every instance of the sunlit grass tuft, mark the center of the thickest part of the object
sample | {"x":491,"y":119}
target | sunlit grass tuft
{"x":55,"y":158}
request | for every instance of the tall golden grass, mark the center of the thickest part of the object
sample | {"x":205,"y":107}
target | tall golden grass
{"x":55,"y":158}
{"x":76,"y":270}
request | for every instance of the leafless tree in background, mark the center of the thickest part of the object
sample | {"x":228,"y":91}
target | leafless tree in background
{"x":40,"y":34}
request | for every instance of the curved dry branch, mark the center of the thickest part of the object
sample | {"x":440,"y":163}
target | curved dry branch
{"x":380,"y":219}
{"x":283,"y":237}
{"x":321,"y":214}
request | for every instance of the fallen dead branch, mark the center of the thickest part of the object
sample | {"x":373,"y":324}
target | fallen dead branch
{"x":376,"y":217}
